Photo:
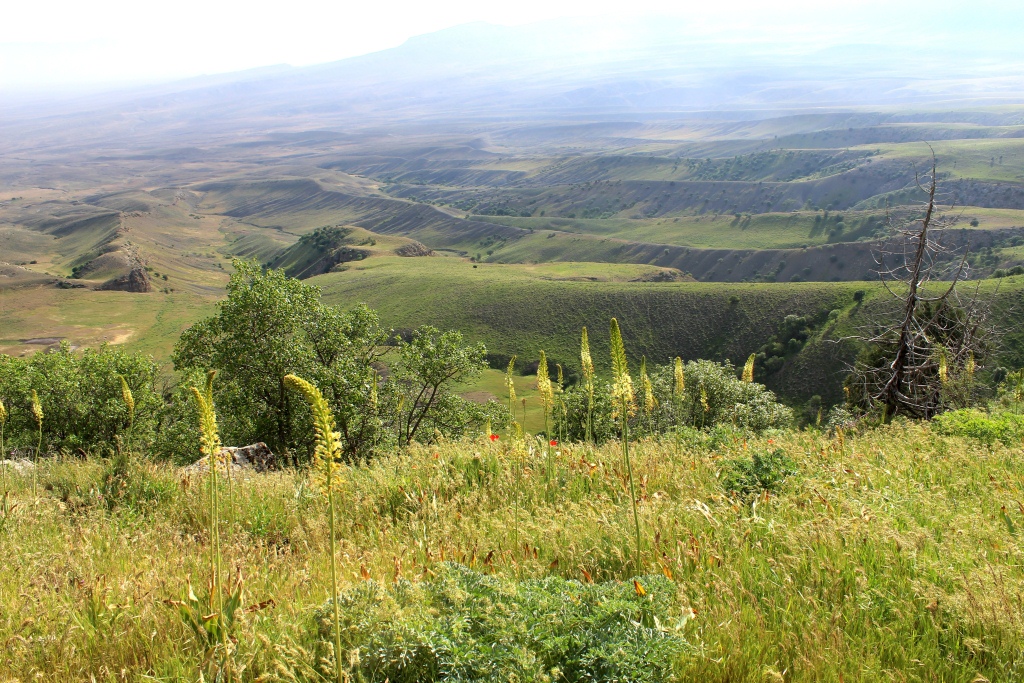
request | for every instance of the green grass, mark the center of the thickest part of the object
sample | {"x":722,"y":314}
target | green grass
{"x":722,"y":231}
{"x":898,"y":557}
{"x":977,"y":159}
{"x":150,"y":323}
{"x":516,"y":310}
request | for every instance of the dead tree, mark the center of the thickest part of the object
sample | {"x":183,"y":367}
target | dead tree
{"x":922,"y":353}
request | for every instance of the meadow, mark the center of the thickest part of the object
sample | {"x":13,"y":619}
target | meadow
{"x":886,"y":553}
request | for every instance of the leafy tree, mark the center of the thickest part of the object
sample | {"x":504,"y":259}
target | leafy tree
{"x":271,"y":326}
{"x":429,"y":365}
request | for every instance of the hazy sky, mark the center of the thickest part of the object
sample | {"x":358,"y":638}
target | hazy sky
{"x":68,"y":42}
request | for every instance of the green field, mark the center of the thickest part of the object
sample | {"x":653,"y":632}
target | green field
{"x":891,"y":554}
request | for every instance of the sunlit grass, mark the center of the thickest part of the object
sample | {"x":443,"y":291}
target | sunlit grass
{"x":899,"y":558}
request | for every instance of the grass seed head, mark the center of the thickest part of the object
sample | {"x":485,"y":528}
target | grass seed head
{"x":3,"y":413}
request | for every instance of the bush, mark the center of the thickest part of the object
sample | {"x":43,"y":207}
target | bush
{"x":761,"y":472}
{"x":466,"y":626}
{"x":80,"y":393}
{"x":974,"y":424}
{"x":713,"y":396}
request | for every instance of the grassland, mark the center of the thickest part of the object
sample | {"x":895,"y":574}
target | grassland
{"x":713,"y":231}
{"x":894,"y":554}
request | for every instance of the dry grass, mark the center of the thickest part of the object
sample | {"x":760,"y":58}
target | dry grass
{"x":897,"y":558}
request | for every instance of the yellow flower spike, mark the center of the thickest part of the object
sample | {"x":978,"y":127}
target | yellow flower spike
{"x":622,"y":384}
{"x":328,"y":450}
{"x":126,"y":395}
{"x":509,"y":382}
{"x":748,"y":369}
{"x":37,"y":409}
{"x":544,"y":381}
{"x":679,"y":388}
{"x":650,"y":402}
{"x":328,"y":441}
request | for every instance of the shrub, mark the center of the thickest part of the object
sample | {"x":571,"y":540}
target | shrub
{"x":763,"y":471}
{"x":81,"y":396}
{"x":465,"y":626}
{"x":713,"y":396}
{"x":974,"y":424}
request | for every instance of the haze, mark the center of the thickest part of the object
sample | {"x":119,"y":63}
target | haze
{"x":69,"y":46}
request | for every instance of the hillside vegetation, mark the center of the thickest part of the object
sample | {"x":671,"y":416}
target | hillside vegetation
{"x":890,"y":553}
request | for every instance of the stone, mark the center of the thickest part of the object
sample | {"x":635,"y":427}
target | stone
{"x":137,"y":280}
{"x":255,"y":458}
{"x":18,"y":466}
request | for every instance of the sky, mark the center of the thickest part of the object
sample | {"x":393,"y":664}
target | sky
{"x":73,"y":44}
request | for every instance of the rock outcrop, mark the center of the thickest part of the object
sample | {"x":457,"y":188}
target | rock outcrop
{"x":256,"y":458}
{"x":414,"y":249}
{"x":137,"y":280}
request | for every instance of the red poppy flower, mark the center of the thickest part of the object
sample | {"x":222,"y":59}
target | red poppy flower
{"x":553,"y":442}
{"x":494,"y":437}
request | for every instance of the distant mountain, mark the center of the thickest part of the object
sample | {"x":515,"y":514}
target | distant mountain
{"x":478,"y":73}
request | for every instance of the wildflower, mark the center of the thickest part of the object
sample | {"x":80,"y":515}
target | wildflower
{"x":37,"y":409}
{"x":650,"y":403}
{"x":509,"y":384}
{"x":622,"y":385}
{"x":748,"y":370}
{"x":553,"y":442}
{"x":494,"y":437}
{"x":126,"y":395}
{"x":943,"y":365}
{"x":586,"y":361}
{"x":680,"y":379}
{"x":328,"y":440}
{"x":544,"y":382}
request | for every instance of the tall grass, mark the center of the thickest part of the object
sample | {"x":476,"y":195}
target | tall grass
{"x":893,"y":561}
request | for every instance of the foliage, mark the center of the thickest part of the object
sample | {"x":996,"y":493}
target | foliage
{"x":711,"y":395}
{"x":462,"y":625}
{"x":864,"y":541}
{"x":428,"y":366}
{"x":271,"y":325}
{"x":81,"y":396}
{"x":762,"y":471}
{"x":1007,"y":428}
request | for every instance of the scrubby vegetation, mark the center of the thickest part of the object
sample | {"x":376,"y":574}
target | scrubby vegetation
{"x":888,"y":553}
{"x":670,"y":523}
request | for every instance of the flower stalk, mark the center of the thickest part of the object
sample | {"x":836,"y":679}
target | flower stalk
{"x":325,"y":463}
{"x":624,"y":402}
